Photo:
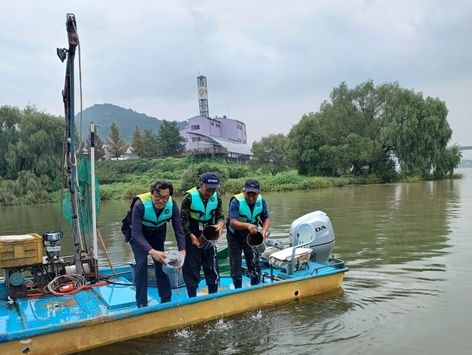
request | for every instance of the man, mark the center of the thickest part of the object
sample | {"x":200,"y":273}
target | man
{"x":150,"y":213}
{"x":247,"y":211}
{"x":201,"y":206}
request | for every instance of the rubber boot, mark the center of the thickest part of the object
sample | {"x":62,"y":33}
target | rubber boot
{"x":238,"y":281}
{"x":212,"y":288}
{"x":191,"y":292}
{"x":255,"y":280}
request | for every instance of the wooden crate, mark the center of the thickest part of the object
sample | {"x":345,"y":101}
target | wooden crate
{"x":20,"y":250}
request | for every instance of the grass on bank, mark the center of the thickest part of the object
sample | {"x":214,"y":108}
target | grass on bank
{"x":126,"y":179}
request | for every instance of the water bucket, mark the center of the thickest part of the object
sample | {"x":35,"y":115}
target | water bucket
{"x":176,"y":279}
{"x":209,"y":234}
{"x":256,"y":241}
{"x":174,"y":261}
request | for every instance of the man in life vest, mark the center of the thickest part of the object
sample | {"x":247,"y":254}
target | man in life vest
{"x":150,"y":212}
{"x":247,"y":211}
{"x":201,"y":206}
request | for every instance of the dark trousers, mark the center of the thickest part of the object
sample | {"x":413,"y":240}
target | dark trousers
{"x":141,"y":274}
{"x":237,"y":244}
{"x":194,"y":260}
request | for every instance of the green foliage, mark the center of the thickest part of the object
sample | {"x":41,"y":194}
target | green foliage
{"x":26,"y":189}
{"x":237,"y":171}
{"x":126,"y":119}
{"x":151,"y":142}
{"x":116,"y":145}
{"x":191,"y":176}
{"x":137,"y":143}
{"x":170,"y":141}
{"x":30,"y":154}
{"x":271,"y":152}
{"x":365,"y":130}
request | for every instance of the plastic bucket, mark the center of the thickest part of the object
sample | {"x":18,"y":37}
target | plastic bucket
{"x":209,"y":234}
{"x":256,"y":241}
{"x":176,"y":278}
{"x":174,"y":261}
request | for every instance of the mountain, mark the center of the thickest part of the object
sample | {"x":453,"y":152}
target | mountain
{"x":103,"y":115}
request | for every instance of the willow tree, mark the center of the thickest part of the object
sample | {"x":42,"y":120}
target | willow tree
{"x":366,"y":130}
{"x":31,"y":144}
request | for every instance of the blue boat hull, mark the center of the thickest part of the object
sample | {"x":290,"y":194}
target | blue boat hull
{"x":108,"y":313}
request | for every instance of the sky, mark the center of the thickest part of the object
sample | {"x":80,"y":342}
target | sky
{"x":267,"y":62}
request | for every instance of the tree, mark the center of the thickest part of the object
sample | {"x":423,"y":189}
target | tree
{"x":369,"y":128}
{"x":170,"y":140}
{"x":30,"y":154}
{"x":10,"y":118}
{"x":271,"y":152}
{"x":99,"y":147}
{"x":115,"y":144}
{"x":151,"y":142}
{"x":137,"y":143}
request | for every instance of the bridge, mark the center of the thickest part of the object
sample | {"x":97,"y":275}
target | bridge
{"x":465,"y":147}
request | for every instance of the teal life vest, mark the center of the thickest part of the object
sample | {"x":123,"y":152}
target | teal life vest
{"x":150,"y":219}
{"x":198,"y":211}
{"x":245,"y":214}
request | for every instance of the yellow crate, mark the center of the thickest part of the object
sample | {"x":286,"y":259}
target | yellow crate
{"x":20,"y":250}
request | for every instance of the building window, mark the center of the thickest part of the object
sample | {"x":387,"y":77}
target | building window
{"x":186,"y":139}
{"x":212,"y":123}
{"x":195,"y":139}
{"x":195,"y":127}
{"x":217,"y":125}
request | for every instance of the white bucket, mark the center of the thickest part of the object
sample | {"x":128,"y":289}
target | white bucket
{"x":174,"y":261}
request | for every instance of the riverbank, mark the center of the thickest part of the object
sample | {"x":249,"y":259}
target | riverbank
{"x":125,"y":179}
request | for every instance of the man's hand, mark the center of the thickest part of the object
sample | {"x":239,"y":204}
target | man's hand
{"x":194,"y":240}
{"x":219,"y":227}
{"x":183,"y":253}
{"x":252,"y":228}
{"x":157,"y":255}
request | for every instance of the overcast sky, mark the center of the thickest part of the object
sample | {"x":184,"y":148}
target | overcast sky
{"x":267,"y":62}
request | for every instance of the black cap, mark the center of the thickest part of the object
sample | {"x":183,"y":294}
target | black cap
{"x":252,"y":185}
{"x":211,"y":180}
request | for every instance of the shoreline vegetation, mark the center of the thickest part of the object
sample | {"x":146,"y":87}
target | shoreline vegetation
{"x":362,"y":135}
{"x":122,"y":180}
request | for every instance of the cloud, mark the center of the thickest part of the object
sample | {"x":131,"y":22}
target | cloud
{"x":266,"y":61}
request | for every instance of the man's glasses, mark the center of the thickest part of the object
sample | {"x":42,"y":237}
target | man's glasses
{"x":159,"y":197}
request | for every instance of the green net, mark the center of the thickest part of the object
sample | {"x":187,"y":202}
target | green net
{"x":84,"y":205}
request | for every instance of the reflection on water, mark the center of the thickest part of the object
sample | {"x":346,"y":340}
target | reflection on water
{"x":408,"y":248}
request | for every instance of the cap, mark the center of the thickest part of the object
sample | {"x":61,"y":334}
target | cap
{"x":211,"y":180}
{"x":252,"y":185}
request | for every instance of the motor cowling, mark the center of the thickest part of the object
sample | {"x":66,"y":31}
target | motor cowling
{"x":316,"y":223}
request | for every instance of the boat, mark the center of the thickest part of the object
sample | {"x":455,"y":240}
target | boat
{"x":54,"y":304}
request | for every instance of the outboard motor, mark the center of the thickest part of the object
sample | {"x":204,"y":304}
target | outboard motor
{"x":323,"y":242}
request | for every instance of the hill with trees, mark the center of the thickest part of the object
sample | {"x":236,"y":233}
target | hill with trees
{"x":103,"y":115}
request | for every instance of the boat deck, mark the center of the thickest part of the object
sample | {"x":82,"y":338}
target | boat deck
{"x":33,"y":316}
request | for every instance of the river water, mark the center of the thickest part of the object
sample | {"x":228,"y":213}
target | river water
{"x":408,"y":290}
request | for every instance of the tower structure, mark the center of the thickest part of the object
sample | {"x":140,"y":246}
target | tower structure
{"x":203,"y":96}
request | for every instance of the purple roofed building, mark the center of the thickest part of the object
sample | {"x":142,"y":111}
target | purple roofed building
{"x":218,"y":135}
